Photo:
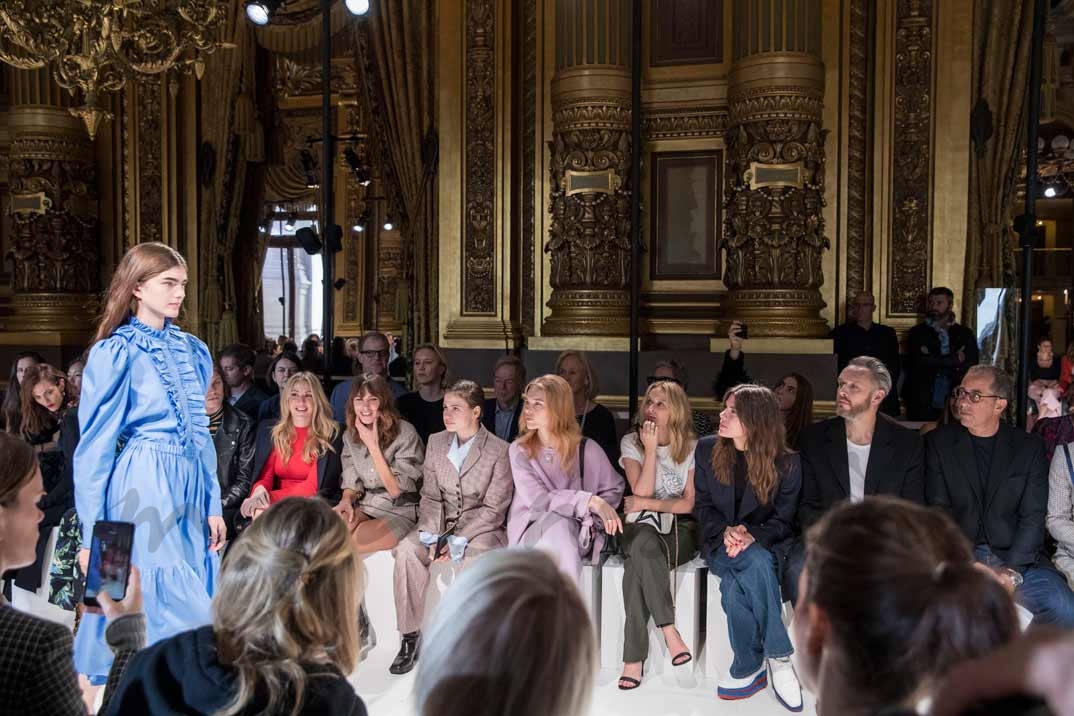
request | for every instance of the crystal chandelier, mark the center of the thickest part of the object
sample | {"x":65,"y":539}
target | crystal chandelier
{"x":95,"y":46}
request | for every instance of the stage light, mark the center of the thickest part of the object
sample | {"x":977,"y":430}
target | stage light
{"x":1050,"y":192}
{"x":359,"y":228}
{"x":388,"y":225}
{"x":361,"y":172}
{"x":289,"y":223}
{"x":259,"y":12}
{"x":309,"y":168}
{"x":358,"y":7}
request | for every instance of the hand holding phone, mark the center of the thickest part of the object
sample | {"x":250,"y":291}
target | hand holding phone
{"x":109,"y":562}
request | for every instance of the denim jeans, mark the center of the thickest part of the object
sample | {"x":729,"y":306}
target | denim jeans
{"x":749,"y":594}
{"x":1044,"y":591}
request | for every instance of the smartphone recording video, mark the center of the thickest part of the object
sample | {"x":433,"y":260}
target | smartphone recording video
{"x":109,"y":561}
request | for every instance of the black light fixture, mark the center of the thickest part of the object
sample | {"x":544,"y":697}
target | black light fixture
{"x":309,"y":168}
{"x":361,"y":172}
{"x":357,"y":7}
{"x":289,"y":222}
{"x":388,"y":225}
{"x":259,"y":12}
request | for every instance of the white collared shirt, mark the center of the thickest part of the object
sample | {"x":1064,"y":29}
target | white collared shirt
{"x":457,"y":453}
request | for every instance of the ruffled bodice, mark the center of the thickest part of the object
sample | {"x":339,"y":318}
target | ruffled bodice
{"x":184,"y":367}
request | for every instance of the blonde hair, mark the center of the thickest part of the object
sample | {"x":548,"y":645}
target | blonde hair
{"x":482,"y":655}
{"x":559,"y":402}
{"x":445,"y":380}
{"x":592,"y":388}
{"x":141,"y":263}
{"x":323,"y":428}
{"x":680,"y":419}
{"x":758,"y":411}
{"x":288,"y":597}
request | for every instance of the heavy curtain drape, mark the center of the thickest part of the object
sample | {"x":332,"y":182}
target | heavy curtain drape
{"x":229,"y":134}
{"x":396,"y":53}
{"x":1002,"y":34}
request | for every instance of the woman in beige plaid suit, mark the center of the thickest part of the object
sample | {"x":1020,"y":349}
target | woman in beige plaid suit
{"x":465,"y":494}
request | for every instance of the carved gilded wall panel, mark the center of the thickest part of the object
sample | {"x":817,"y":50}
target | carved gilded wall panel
{"x":912,"y":152}
{"x":529,"y":162}
{"x":150,"y":162}
{"x":859,"y":148}
{"x":479,"y":245}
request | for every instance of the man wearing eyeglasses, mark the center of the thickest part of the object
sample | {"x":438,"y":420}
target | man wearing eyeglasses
{"x":993,"y":480}
{"x":860,"y":336}
{"x":372,"y":358}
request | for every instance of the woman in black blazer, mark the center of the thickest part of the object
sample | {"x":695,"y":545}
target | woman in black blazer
{"x":747,"y":482}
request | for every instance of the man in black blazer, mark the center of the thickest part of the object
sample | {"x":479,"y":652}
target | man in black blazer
{"x":859,"y":452}
{"x":993,"y":480}
{"x":237,"y":369}
{"x":500,"y":415}
{"x":859,"y":336}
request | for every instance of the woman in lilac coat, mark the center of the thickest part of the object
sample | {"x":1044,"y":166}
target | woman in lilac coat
{"x":566,"y":491}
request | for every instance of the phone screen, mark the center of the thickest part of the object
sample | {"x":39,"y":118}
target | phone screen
{"x":109,"y":561}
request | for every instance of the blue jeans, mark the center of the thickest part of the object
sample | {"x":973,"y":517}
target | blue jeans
{"x":749,"y":594}
{"x":1044,"y":591}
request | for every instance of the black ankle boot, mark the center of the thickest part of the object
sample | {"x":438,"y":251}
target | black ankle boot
{"x":408,"y":653}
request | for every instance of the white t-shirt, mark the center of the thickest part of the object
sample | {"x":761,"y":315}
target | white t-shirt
{"x":670,"y":475}
{"x":857,"y":463}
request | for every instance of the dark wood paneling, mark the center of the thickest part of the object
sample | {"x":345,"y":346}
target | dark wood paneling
{"x":686,"y":32}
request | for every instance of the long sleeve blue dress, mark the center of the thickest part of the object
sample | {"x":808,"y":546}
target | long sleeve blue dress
{"x":146,"y":457}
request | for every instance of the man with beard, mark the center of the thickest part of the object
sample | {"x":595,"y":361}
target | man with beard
{"x":938,"y":353}
{"x":858,"y":453}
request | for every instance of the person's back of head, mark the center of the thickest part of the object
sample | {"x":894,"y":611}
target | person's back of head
{"x":512,"y":636}
{"x":288,"y":598}
{"x":890,"y":599}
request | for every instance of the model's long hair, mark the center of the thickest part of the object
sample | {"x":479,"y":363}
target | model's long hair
{"x":12,"y":406}
{"x":367,"y":384}
{"x":680,"y":419}
{"x":288,"y":598}
{"x":903,"y":597}
{"x":141,"y":263}
{"x":758,"y":411}
{"x":800,"y":416}
{"x":322,"y":430}
{"x":566,"y":435}
{"x":35,"y":419}
{"x":483,"y":655}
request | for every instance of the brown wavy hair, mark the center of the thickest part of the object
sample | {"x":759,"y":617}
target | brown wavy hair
{"x":35,"y":419}
{"x":800,"y":416}
{"x":289,"y":592}
{"x":18,"y":465}
{"x":559,"y":402}
{"x":758,"y":411}
{"x":388,"y":424}
{"x":141,"y":263}
{"x":903,"y":598}
{"x":323,"y":428}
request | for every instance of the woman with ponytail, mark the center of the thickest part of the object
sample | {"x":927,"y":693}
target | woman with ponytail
{"x":891,"y":599}
{"x":145,"y":453}
{"x":283,"y":637}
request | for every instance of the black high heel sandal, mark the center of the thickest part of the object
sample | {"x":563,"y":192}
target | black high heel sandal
{"x":631,"y":682}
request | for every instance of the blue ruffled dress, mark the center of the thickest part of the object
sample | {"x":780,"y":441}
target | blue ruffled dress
{"x":146,"y":457}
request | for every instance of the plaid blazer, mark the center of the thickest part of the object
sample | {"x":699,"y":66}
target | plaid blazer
{"x":37,"y":674}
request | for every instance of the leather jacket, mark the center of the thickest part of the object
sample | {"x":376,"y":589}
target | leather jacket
{"x":235,"y":442}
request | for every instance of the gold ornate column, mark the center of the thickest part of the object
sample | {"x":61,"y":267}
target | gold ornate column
{"x":774,"y":229}
{"x":54,"y":243}
{"x":589,"y":233}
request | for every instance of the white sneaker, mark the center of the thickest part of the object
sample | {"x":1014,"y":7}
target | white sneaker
{"x":729,"y":688}
{"x":785,"y":683}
